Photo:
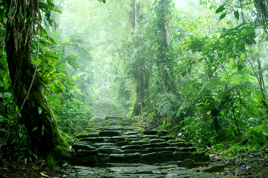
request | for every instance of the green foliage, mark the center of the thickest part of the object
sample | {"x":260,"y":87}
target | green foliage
{"x":58,"y":68}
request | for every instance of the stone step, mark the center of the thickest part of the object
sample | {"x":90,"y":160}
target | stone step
{"x":109,"y":133}
{"x":125,"y":158}
{"x":142,"y":151}
{"x":116,"y":140}
{"x":157,"y":149}
{"x":131,"y":133}
{"x":150,"y":132}
{"x":131,"y":147}
{"x":110,"y":150}
{"x":82,"y":146}
{"x":87,"y":135}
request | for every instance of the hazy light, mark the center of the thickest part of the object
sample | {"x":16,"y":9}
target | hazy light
{"x":179,"y":3}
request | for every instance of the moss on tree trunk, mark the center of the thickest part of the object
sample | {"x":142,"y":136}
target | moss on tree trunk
{"x":46,"y":140}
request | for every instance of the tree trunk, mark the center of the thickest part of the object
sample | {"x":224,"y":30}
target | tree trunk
{"x":139,"y":62}
{"x":164,"y":41}
{"x":46,"y":139}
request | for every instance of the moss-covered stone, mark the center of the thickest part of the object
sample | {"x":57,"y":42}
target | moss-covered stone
{"x":83,"y":145}
{"x":157,"y":157}
{"x":126,"y":158}
{"x":90,"y":160}
{"x":86,"y":135}
{"x":110,"y":133}
{"x":112,"y":118}
{"x":200,"y":156}
{"x":180,"y":156}
{"x":57,"y":156}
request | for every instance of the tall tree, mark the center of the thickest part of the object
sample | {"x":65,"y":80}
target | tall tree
{"x":23,"y":25}
{"x":141,"y":75}
{"x":163,"y":55}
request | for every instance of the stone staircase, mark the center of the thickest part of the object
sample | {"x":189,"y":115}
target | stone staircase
{"x":117,"y":147}
{"x":115,"y":140}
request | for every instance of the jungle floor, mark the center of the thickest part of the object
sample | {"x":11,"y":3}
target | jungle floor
{"x":251,"y":165}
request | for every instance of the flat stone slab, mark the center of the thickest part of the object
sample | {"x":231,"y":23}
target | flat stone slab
{"x":110,"y":150}
{"x":115,"y":139}
{"x":161,"y":144}
{"x":135,"y":151}
{"x":157,"y":149}
{"x":83,"y":145}
{"x":150,"y":132}
{"x":109,"y":133}
{"x":157,"y":156}
{"x":87,"y":135}
{"x":92,"y":139}
{"x":133,"y":136}
{"x":130,"y":133}
{"x":125,"y":164}
{"x":132,"y":147}
{"x":156,"y":140}
{"x":103,"y":144}
{"x":125,"y":158}
{"x":122,"y":143}
{"x":119,"y":129}
{"x":182,"y":144}
{"x":133,"y":139}
{"x":150,"y":136}
{"x":140,"y":142}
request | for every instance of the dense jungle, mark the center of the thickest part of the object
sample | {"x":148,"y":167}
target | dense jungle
{"x":133,"y":88}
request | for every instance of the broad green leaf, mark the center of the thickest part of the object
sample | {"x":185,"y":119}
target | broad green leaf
{"x":220,"y":9}
{"x":40,"y":110}
{"x":199,"y":104}
{"x":236,"y":14}
{"x":24,"y":148}
{"x":19,"y":158}
{"x":50,"y":29}
{"x":36,"y":157}
{"x":222,"y":16}
{"x":35,"y":128}
{"x":167,"y":125}
{"x":176,"y":126}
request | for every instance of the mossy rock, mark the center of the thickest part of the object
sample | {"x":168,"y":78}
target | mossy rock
{"x":180,"y":156}
{"x":126,"y":158}
{"x":90,"y":160}
{"x":200,"y":156}
{"x":112,"y":118}
{"x":86,"y":135}
{"x":83,"y":145}
{"x":157,"y":157}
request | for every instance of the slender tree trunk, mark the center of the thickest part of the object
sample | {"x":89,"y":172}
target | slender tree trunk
{"x":163,"y":41}
{"x":46,"y":139}
{"x":139,"y":62}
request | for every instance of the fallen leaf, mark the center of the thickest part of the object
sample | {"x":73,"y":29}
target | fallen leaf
{"x":44,"y":175}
